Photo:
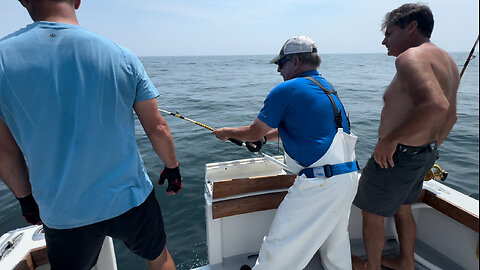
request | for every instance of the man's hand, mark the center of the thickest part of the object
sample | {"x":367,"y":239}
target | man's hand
{"x":30,"y":210}
{"x":383,"y":153}
{"x":256,"y":146}
{"x":222,"y":133}
{"x":174,"y":180}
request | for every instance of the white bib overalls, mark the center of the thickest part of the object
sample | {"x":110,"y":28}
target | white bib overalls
{"x":314,"y":215}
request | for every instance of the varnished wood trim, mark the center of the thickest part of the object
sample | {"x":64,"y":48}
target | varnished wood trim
{"x":25,"y":264}
{"x":248,"y":204}
{"x":40,"y":256}
{"x":35,"y":258}
{"x":232,"y":187}
{"x":459,"y":214}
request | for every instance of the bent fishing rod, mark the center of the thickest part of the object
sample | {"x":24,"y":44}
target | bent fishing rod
{"x":235,"y":141}
{"x":469,"y":58}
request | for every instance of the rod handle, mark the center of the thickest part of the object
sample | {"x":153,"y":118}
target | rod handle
{"x":235,"y":141}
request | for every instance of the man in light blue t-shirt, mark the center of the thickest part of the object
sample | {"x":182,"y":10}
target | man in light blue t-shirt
{"x":67,"y":139}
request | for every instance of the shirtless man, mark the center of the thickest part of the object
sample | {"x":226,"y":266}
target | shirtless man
{"x":418,"y":114}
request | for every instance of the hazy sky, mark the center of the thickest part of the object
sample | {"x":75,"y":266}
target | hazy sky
{"x":229,"y":27}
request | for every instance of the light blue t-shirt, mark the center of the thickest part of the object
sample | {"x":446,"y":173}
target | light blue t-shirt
{"x":304,"y":117}
{"x":66,"y":95}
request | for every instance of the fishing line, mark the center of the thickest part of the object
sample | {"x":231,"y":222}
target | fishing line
{"x":469,"y":58}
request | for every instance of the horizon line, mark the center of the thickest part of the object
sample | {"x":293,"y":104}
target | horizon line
{"x":260,"y":54}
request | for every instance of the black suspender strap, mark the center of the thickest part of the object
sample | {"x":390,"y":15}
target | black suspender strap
{"x":328,"y":92}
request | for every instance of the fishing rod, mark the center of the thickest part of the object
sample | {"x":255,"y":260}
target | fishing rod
{"x":469,"y":58}
{"x":235,"y":141}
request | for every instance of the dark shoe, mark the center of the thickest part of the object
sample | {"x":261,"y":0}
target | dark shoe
{"x":245,"y":267}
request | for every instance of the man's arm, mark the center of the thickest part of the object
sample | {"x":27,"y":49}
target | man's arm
{"x":161,"y":139}
{"x":272,"y":135}
{"x":157,"y":131}
{"x":430,"y":103}
{"x":450,"y":119}
{"x":13,"y":169}
{"x":14,"y":173}
{"x":251,"y":133}
{"x":448,"y":125}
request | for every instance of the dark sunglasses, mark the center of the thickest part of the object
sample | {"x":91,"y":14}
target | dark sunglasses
{"x":282,"y":62}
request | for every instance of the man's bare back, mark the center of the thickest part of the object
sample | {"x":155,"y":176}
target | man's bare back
{"x":427,"y":79}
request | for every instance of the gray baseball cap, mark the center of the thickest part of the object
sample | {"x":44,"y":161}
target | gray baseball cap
{"x":296,"y":44}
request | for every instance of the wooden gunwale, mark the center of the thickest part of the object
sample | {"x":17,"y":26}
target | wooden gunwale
{"x":253,"y":202}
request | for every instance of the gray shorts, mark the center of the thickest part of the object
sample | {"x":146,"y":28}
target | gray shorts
{"x":383,"y":191}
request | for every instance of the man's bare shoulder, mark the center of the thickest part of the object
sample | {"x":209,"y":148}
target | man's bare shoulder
{"x":412,"y":61}
{"x":417,"y":54}
{"x":427,"y":52}
{"x":424,"y":58}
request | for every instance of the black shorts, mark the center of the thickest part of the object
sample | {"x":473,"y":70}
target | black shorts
{"x":383,"y":191}
{"x":141,"y":229}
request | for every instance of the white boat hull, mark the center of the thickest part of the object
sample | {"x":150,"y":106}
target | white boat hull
{"x":25,"y":248}
{"x":234,"y":234}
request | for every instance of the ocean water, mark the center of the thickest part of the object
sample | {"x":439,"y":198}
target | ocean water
{"x":229,"y":91}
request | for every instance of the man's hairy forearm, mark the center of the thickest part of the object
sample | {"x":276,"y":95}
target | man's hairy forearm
{"x":163,"y":145}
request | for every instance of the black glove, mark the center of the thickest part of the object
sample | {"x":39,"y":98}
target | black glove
{"x":30,"y":210}
{"x":174,"y":180}
{"x":256,"y":146}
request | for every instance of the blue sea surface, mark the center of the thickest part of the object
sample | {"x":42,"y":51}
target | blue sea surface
{"x":229,"y":91}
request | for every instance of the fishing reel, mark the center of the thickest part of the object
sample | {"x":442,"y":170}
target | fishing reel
{"x":436,"y":173}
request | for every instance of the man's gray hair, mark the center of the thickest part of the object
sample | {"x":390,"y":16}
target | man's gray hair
{"x":307,"y":58}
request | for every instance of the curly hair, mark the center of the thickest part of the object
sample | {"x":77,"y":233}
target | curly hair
{"x":408,"y":13}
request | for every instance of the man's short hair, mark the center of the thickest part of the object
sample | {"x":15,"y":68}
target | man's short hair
{"x":408,"y":13}
{"x":307,"y":58}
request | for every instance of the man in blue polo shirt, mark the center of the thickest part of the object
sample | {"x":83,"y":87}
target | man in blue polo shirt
{"x":67,"y":138}
{"x":305,"y":112}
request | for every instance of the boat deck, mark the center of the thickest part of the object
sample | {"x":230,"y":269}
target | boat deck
{"x":391,"y":249}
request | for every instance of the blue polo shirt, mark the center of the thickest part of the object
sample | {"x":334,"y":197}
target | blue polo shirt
{"x":304,"y":117}
{"x":67,"y":95}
